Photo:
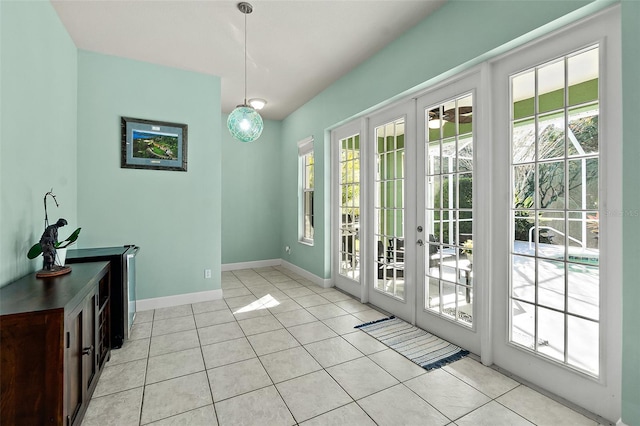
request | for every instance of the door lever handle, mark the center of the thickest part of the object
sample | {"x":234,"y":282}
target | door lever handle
{"x":420,"y":243}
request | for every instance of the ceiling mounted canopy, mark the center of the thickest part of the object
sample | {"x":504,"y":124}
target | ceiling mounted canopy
{"x":244,"y":122}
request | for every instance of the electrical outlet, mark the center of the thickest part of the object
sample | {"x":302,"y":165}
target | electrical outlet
{"x":207,"y":273}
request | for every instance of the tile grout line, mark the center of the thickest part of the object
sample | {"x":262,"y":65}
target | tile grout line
{"x":206,"y":372}
{"x":144,"y":384}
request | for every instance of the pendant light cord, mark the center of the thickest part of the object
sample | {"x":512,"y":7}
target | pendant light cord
{"x":245,"y":58}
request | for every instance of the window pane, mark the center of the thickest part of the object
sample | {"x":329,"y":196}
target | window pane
{"x":523,"y":278}
{"x":448,"y":155}
{"x":550,"y":342}
{"x":523,"y":88}
{"x":593,"y":228}
{"x":446,"y":190}
{"x":551,"y":136}
{"x":524,"y":238}
{"x":433,"y":294}
{"x":583,"y":346}
{"x":465,"y":115}
{"x":523,"y":328}
{"x":550,"y":278}
{"x":465,"y":223}
{"x":523,"y":141}
{"x":465,"y":195}
{"x":465,"y":154}
{"x":448,"y":299}
{"x":524,"y":186}
{"x":584,"y":290}
{"x":582,"y":72}
{"x":433,"y":160}
{"x":551,"y":185}
{"x":551,"y":86}
{"x":583,"y":130}
{"x":436,"y":191}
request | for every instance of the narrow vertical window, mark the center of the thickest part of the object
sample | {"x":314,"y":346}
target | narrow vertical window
{"x":350,"y":207}
{"x":306,"y":164}
{"x":555,"y":285}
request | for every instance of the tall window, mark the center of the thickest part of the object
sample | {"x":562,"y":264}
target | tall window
{"x":305,"y":221}
{"x":555,"y":282}
{"x":350,"y":207}
{"x":449,"y":209}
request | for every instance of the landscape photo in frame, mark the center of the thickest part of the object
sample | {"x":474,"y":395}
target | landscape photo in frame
{"x":156,"y":145}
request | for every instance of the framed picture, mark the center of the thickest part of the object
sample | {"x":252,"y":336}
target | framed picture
{"x":155,"y":145}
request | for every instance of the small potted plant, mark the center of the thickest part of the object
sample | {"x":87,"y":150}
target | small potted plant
{"x":53,"y":251}
{"x":468,"y":250}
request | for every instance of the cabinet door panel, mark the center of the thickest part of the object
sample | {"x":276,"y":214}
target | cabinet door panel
{"x":74,"y":365}
{"x":89,"y":341}
{"x":31,"y":348}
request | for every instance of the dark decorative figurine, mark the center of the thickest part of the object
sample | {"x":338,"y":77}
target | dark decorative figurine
{"x":48,"y":242}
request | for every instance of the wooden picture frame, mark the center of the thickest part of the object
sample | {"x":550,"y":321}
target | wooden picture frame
{"x":154,"y":145}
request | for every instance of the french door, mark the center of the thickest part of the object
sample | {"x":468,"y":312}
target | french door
{"x":391,"y":186}
{"x":413,"y":236}
{"x":347,"y":172}
{"x":450,"y":258}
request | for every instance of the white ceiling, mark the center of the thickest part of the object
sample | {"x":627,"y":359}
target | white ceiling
{"x":295,"y":48}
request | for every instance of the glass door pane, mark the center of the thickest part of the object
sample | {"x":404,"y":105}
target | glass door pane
{"x":555,"y":253}
{"x":389,"y":208}
{"x":349,"y":206}
{"x":448,"y":213}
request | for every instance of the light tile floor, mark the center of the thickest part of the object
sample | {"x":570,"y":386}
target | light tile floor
{"x":280,"y":350}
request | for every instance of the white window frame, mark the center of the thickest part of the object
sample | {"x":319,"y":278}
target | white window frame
{"x":600,"y":394}
{"x":305,"y":153}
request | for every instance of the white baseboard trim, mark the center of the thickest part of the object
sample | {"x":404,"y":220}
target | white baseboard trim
{"x":178,"y":299}
{"x":249,"y":265}
{"x":322,"y":282}
{"x":203,"y":296}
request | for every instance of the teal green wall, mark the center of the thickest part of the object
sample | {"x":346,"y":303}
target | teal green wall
{"x":631,"y":204}
{"x":37,"y":131}
{"x":251,"y":196}
{"x":173,"y":216}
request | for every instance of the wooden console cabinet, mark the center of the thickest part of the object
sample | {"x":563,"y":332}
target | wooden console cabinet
{"x":54,"y":343}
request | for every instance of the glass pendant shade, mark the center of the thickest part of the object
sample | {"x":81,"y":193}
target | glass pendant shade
{"x":245,"y":124}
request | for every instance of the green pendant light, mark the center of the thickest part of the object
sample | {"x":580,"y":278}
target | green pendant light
{"x":244,"y":122}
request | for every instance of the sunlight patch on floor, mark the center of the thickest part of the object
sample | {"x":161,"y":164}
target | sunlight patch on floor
{"x":264,"y":302}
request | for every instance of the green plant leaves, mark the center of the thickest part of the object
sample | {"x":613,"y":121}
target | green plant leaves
{"x":70,"y":240}
{"x":36,"y":249}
